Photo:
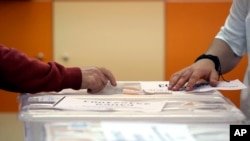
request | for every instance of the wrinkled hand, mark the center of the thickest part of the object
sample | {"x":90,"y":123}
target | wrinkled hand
{"x":94,"y":79}
{"x":202,"y":69}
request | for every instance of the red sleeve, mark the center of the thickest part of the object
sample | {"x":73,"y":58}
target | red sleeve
{"x":19,"y":73}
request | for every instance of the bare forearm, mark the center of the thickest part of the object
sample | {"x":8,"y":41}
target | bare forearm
{"x":228,"y":59}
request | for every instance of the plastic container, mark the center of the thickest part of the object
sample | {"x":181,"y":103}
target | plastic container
{"x":39,"y":111}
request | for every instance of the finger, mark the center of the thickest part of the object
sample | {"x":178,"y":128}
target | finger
{"x":100,"y":79}
{"x":192,"y":81}
{"x":97,"y":83}
{"x":183,"y":79}
{"x":175,"y":78}
{"x":96,"y":88}
{"x":90,"y":91}
{"x":109,"y":76}
{"x":104,"y":81}
{"x":93,"y":91}
{"x":213,"y":79}
{"x":103,"y":78}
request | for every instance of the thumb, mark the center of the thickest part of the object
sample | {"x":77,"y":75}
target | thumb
{"x":213,"y":79}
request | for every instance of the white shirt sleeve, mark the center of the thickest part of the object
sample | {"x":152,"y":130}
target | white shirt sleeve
{"x":234,"y":30}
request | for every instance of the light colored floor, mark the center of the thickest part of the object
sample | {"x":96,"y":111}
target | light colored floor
{"x":11,"y":129}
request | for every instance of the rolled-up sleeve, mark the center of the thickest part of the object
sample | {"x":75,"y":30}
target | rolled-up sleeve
{"x":234,"y":30}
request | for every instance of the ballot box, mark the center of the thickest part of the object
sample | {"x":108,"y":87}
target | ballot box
{"x":129,"y":102}
{"x":132,"y":131}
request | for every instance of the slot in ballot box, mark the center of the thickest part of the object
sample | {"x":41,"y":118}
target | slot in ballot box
{"x":125,"y":103}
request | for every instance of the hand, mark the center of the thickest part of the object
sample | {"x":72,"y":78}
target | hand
{"x":94,"y":79}
{"x":202,"y":69}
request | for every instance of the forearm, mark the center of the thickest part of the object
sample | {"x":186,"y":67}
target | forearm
{"x":228,"y":59}
{"x":20,"y":73}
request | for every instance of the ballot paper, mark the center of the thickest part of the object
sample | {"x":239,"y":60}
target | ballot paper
{"x":222,"y":85}
{"x":152,"y":87}
{"x":73,"y":131}
{"x":72,"y":103}
{"x":145,"y":132}
{"x":120,"y":131}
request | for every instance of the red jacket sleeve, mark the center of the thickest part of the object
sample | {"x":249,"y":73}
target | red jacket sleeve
{"x":19,"y":73}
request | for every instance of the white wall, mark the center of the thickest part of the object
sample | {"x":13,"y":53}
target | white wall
{"x":126,"y":37}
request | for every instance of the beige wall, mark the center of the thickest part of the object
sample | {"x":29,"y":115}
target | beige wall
{"x":126,"y":37}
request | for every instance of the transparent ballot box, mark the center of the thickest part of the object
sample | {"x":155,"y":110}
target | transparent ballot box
{"x":128,"y":131}
{"x":125,"y":103}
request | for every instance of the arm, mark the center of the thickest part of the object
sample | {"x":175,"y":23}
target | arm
{"x":228,"y":59}
{"x":19,"y":73}
{"x":205,"y":68}
{"x":229,"y":46}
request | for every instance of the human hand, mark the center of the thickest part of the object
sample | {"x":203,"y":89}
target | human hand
{"x":202,"y":69}
{"x":94,"y":79}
